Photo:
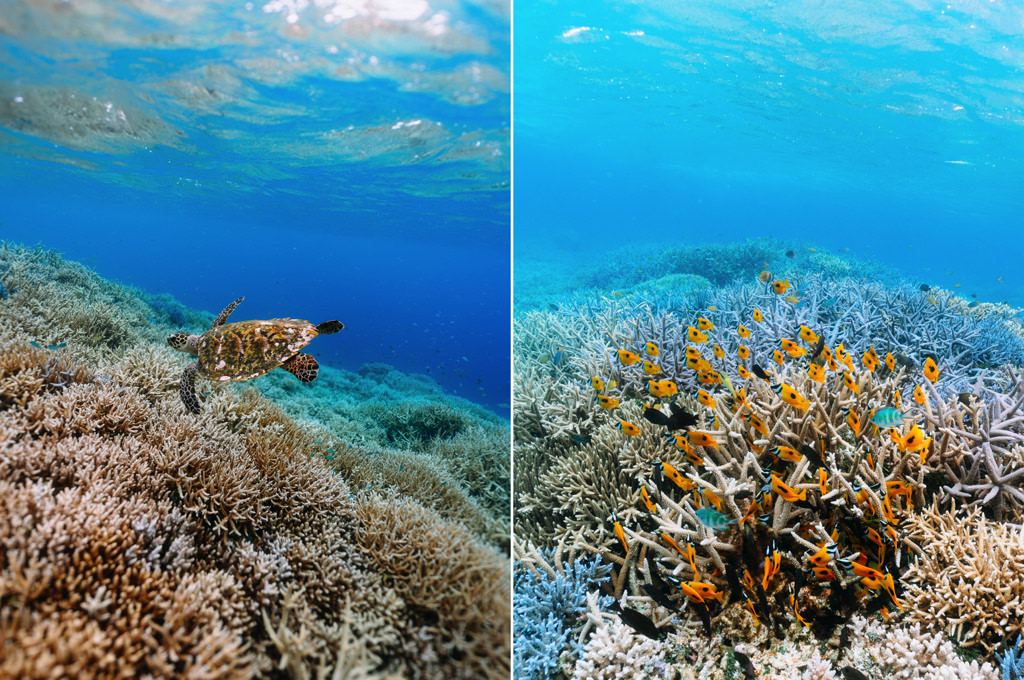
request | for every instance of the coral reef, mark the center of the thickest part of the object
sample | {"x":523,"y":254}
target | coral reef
{"x":141,"y":541}
{"x":755,"y":457}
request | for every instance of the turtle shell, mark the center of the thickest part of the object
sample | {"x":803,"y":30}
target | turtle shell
{"x":248,"y":349}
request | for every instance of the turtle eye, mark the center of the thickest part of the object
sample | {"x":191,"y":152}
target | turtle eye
{"x":177,"y":340}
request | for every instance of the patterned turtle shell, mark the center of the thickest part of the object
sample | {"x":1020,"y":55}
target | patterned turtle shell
{"x":249,"y":349}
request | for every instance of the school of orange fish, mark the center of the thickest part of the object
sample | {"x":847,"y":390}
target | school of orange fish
{"x":816,"y":536}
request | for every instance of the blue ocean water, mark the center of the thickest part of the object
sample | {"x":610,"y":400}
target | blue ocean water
{"x":327,"y":159}
{"x":893,"y":129}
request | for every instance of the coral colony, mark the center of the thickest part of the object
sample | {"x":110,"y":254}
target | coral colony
{"x":800,"y":474}
{"x":356,"y":528}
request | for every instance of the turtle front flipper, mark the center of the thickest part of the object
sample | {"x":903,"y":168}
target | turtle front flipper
{"x":226,"y":312}
{"x":302,"y":366}
{"x":328,"y":327}
{"x":188,"y":388}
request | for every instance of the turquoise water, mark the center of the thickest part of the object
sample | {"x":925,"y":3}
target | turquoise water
{"x":892,"y":129}
{"x":326,"y":160}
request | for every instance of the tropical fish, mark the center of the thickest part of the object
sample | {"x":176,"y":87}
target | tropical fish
{"x":822,"y":481}
{"x":780,"y":287}
{"x":651,"y":349}
{"x":757,"y":423}
{"x":661,"y":388}
{"x":816,"y":372}
{"x":743,"y":372}
{"x":849,"y":382}
{"x":669,"y":472}
{"x":896,"y":399}
{"x":702,"y":439}
{"x":786,"y":453}
{"x":825,"y":554}
{"x":650,"y":368}
{"x":853,"y":420}
{"x":919,"y":395}
{"x":869,"y":361}
{"x":692,"y":352}
{"x":791,"y":396}
{"x":890,"y":362}
{"x":641,"y":623}
{"x":790,"y":254}
{"x":680,"y":419}
{"x":695,"y":336}
{"x":744,"y":352}
{"x":671,"y":541}
{"x":706,"y":590}
{"x":787,"y":492}
{"x":713,"y":519}
{"x":796,"y":352}
{"x":824,"y":573}
{"x":808,"y":336}
{"x":718,"y":352}
{"x":758,"y":317}
{"x":743,"y":331}
{"x":841,"y":353}
{"x":931,"y":371}
{"x":629,"y":429}
{"x":777,"y":357}
{"x":765,"y":276}
{"x":709,"y":377}
{"x":627,"y":358}
{"x":646,"y":499}
{"x":705,"y":324}
{"x":619,"y":533}
{"x":606,"y":401}
{"x":760,"y":372}
{"x":557,"y":359}
{"x":792,"y":299}
{"x":597,"y":383}
{"x":914,"y":441}
{"x":887,"y":417}
{"x":705,"y":399}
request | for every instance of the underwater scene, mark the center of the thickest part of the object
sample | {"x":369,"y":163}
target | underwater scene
{"x":254,"y":339}
{"x":768,"y":351}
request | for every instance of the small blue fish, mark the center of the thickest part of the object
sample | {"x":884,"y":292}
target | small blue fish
{"x":713,"y":519}
{"x":318,"y":442}
{"x":36,"y":344}
{"x":330,"y":450}
{"x":887,"y":417}
{"x":329,"y":457}
{"x":558,"y":356}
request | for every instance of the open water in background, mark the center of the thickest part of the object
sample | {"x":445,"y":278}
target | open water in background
{"x":894,"y":129}
{"x":326,"y":159}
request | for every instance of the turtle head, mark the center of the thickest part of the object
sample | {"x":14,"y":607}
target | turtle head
{"x":183,"y":342}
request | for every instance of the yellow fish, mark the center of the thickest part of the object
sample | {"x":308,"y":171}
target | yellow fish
{"x":786,"y":453}
{"x":931,"y":371}
{"x":706,"y":590}
{"x":869,"y":362}
{"x":651,"y":369}
{"x":787,"y":492}
{"x":705,"y":324}
{"x":841,"y":352}
{"x":692,"y":352}
{"x":619,"y":533}
{"x":613,"y":384}
{"x":791,"y":299}
{"x":777,"y":356}
{"x":757,"y":423}
{"x":897,"y":401}
{"x":791,"y":396}
{"x":705,"y":399}
{"x":780,"y":287}
{"x":629,"y":429}
{"x":853,"y":420}
{"x":890,"y":362}
{"x":758,"y":317}
{"x":695,"y":336}
{"x":718,"y":352}
{"x":651,"y":349}
{"x":702,"y":439}
{"x":597,"y":383}
{"x":627,"y":358}
{"x":672,"y":474}
{"x":682,"y":443}
{"x":743,"y":373}
{"x":914,"y":441}
{"x":607,"y":402}
{"x":744,"y":331}
{"x":808,"y":336}
{"x":796,"y":352}
{"x":709,"y":378}
{"x":919,"y":395}
{"x":744,"y":352}
{"x":646,"y":499}
{"x":849,"y":382}
{"x":661,"y":388}
{"x":816,"y":372}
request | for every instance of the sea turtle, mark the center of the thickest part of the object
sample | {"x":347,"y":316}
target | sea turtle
{"x":247,"y":349}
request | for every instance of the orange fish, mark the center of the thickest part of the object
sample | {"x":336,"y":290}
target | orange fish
{"x":744,"y":331}
{"x":796,"y":352}
{"x":744,"y":352}
{"x":853,"y":420}
{"x":713,"y":498}
{"x":791,"y":396}
{"x":758,"y":317}
{"x":787,"y":344}
{"x":645,"y":497}
{"x":914,"y":441}
{"x":718,"y":352}
{"x":627,"y":358}
{"x":824,"y":573}
{"x":705,"y":399}
{"x":897,"y":400}
{"x":662,"y":388}
{"x":786,"y":453}
{"x":702,"y":439}
{"x":709,"y":378}
{"x":619,"y":533}
{"x":707,"y":591}
{"x":931,"y":371}
{"x":919,"y":395}
{"x":670,"y":473}
{"x":597,"y":383}
{"x":808,"y":336}
{"x":651,"y":369}
{"x":841,"y":353}
{"x":607,"y":402}
{"x":743,"y":373}
{"x":824,"y":555}
{"x":692,"y":352}
{"x":690,"y":593}
{"x":869,"y":361}
{"x":890,"y":362}
{"x":695,"y":336}
{"x":651,"y":349}
{"x":787,"y":492}
{"x":705,"y":324}
{"x":780,"y":287}
{"x":822,"y":481}
{"x":816,"y":372}
{"x":629,"y":429}
{"x":757,"y":423}
{"x":671,"y":541}
{"x":850,"y":384}
{"x":777,"y":357}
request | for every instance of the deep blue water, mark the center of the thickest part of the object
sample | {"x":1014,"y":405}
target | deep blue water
{"x":893,"y":129}
{"x":326,"y":160}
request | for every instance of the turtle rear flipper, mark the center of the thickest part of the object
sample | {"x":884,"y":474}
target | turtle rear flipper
{"x":188,"y":388}
{"x":328,"y":327}
{"x":302,"y":366}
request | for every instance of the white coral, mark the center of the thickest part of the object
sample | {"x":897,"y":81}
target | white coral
{"x":909,"y":653}
{"x":614,"y":652}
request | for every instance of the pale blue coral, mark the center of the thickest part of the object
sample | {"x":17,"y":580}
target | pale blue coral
{"x":548,"y":614}
{"x":1013,"y":662}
